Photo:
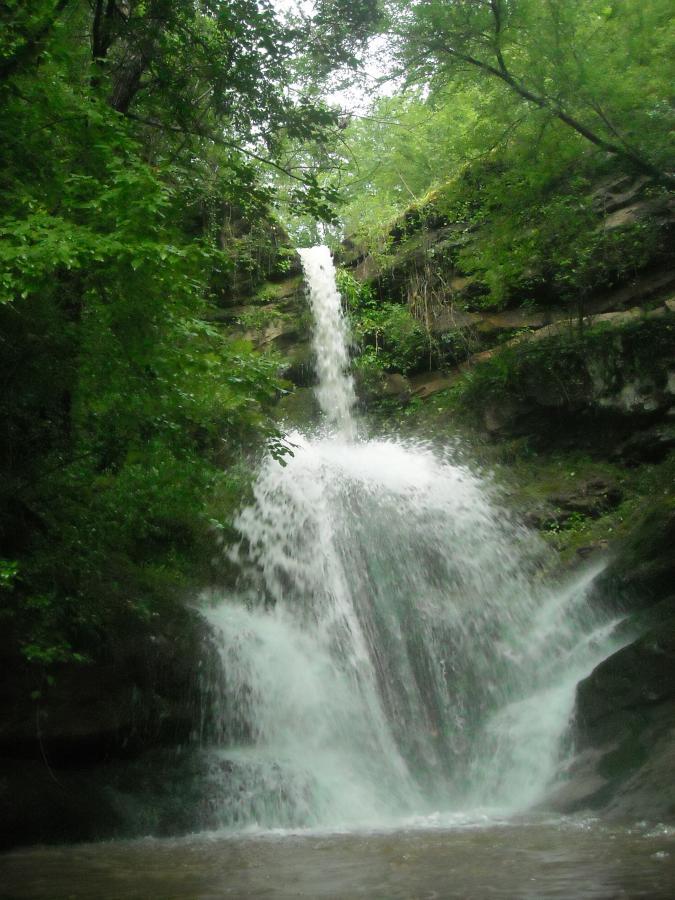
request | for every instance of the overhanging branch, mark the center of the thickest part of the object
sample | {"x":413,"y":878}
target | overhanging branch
{"x":501,"y":72}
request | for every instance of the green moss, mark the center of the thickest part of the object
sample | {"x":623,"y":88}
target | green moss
{"x":273,"y":291}
{"x":260,"y":318}
{"x":531,"y":482}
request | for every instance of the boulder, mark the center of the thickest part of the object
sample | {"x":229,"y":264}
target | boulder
{"x":624,"y":733}
{"x":642,"y":571}
{"x":146,"y":692}
{"x":625,"y":709}
{"x":110,"y":749}
{"x":163,"y":792}
{"x":429,"y":383}
{"x":623,"y":689}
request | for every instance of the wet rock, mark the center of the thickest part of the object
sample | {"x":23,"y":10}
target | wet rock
{"x":299,"y":365}
{"x":651,"y":445}
{"x":592,"y":498}
{"x":539,"y":517}
{"x":161,"y":793}
{"x":505,"y":417}
{"x":396,"y":385}
{"x":278,"y":331}
{"x":298,"y":408}
{"x":429,"y":383}
{"x":626,"y":684}
{"x":624,"y":732}
{"x":599,"y":386}
{"x":642,"y":572}
{"x":107,"y":750}
{"x":650,"y":791}
{"x":147,"y":692}
{"x":625,"y":709}
{"x":624,"y":729}
{"x":588,"y":550}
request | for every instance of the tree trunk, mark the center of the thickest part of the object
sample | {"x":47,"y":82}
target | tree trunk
{"x":128,"y":83}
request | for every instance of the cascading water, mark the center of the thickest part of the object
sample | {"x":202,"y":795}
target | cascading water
{"x":394,"y":651}
{"x":335,"y":389}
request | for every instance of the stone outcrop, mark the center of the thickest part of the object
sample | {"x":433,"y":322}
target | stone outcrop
{"x":620,"y":371}
{"x":146,"y":691}
{"x":625,"y":709}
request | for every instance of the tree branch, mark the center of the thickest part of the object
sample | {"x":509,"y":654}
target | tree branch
{"x":496,"y":7}
{"x":502,"y":73}
{"x":153,"y":123}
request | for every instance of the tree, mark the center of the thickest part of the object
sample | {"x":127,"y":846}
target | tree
{"x":599,"y":68}
{"x":25,"y":31}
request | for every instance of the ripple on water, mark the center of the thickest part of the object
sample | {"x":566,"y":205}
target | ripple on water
{"x":537,"y":858}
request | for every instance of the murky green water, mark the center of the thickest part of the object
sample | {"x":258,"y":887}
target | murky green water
{"x":573,"y":859}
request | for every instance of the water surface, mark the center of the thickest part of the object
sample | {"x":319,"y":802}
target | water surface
{"x":535,"y":858}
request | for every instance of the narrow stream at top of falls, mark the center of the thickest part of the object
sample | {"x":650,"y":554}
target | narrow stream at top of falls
{"x":394,"y":654}
{"x":335,"y":389}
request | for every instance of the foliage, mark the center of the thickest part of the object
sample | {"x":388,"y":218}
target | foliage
{"x":355,"y":294}
{"x":403,"y":148}
{"x":390,"y":338}
{"x":515,"y":117}
{"x":595,"y":67}
{"x":137,"y":142}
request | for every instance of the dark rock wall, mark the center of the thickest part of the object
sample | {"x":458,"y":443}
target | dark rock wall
{"x":100,"y":750}
{"x":625,"y":710}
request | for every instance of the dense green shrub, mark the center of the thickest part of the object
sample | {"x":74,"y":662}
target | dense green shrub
{"x":389,"y":337}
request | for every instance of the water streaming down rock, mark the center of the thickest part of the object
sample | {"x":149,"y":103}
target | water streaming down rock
{"x":393,"y":651}
{"x":335,"y":389}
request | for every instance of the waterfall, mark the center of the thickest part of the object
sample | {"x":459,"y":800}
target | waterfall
{"x":393,"y":651}
{"x":329,"y":341}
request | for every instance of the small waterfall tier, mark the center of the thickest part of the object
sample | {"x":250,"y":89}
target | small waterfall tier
{"x":329,"y":341}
